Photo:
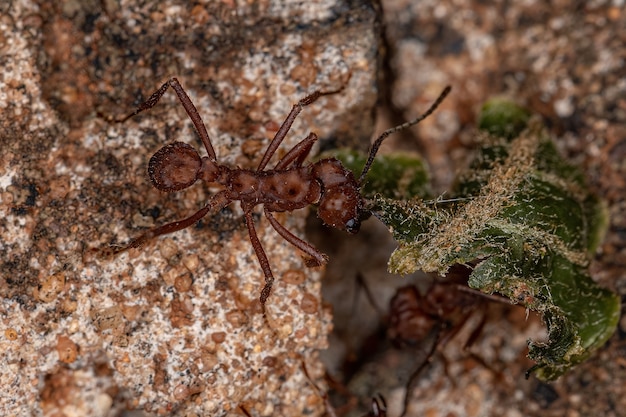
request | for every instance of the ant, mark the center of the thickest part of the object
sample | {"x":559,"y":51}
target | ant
{"x":435,"y":316}
{"x":289,"y":185}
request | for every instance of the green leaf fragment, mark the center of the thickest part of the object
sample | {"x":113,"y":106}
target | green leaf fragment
{"x":528,"y":223}
{"x":503,"y":118}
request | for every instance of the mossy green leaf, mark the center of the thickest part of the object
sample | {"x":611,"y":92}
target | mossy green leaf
{"x":526,"y":221}
{"x":503,"y":118}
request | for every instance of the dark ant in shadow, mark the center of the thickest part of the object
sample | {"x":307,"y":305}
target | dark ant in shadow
{"x":434,"y":317}
{"x":290,"y":185}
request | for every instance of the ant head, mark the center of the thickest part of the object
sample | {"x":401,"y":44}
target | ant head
{"x":174,"y":167}
{"x":340,"y":204}
{"x":340,"y":207}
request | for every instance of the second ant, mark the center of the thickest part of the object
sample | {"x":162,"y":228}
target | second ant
{"x":424,"y":320}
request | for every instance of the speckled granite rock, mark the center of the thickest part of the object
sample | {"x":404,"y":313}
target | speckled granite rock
{"x":175,"y":328}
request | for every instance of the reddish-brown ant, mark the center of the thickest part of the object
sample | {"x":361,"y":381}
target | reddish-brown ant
{"x":290,"y":185}
{"x":443,"y":309}
{"x":435,"y":316}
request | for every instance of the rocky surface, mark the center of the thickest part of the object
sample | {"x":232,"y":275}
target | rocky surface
{"x":174,"y":328}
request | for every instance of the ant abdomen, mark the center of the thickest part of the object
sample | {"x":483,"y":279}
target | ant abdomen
{"x":174,"y":167}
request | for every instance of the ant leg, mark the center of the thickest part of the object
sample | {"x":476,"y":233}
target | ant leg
{"x":297,"y":153}
{"x":490,"y":297}
{"x":451,"y":332}
{"x":260,"y":254}
{"x":330,"y":410}
{"x":216,"y":203}
{"x":477,"y":331}
{"x":284,"y":128}
{"x":195,"y":117}
{"x":383,"y":136}
{"x":317,"y":258}
{"x":415,"y":374}
{"x":368,"y":294}
{"x":241,"y":407}
{"x":191,"y":110}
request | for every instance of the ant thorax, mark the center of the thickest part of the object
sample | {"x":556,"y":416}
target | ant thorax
{"x":279,"y":190}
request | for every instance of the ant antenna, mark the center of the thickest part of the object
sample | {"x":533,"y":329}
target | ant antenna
{"x":383,"y":136}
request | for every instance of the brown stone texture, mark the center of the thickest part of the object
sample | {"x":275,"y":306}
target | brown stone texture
{"x":173,"y":328}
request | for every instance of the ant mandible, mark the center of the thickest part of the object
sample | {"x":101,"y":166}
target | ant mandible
{"x":290,"y":185}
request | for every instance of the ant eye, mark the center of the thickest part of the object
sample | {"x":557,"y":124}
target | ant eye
{"x":174,"y":167}
{"x":353,"y":225}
